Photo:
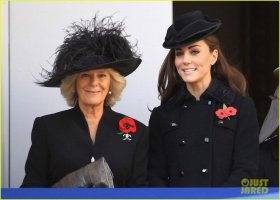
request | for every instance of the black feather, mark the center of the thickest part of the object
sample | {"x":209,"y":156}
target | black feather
{"x":89,"y":42}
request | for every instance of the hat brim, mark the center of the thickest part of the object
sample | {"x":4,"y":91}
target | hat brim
{"x":124,"y":67}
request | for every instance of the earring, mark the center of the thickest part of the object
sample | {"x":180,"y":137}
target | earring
{"x":109,"y":92}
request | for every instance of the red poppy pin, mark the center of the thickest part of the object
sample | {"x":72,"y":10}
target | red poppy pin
{"x":127,"y":126}
{"x":226,"y":112}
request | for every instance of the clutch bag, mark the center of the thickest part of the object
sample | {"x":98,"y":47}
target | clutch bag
{"x":96,"y":174}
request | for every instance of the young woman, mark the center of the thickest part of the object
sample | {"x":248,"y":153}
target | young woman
{"x":205,"y":132}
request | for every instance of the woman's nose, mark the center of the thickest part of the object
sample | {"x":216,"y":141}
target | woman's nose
{"x":94,"y":80}
{"x":186,"y":59}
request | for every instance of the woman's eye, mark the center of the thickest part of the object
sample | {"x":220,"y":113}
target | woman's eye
{"x":102,"y":75}
{"x":84,"y":75}
{"x":178,"y":53}
{"x":194,"y":52}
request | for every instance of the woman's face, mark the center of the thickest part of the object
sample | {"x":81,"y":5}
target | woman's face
{"x":92,"y":87}
{"x":193,"y":62}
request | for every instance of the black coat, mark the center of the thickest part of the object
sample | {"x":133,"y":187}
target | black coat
{"x":61,"y":144}
{"x":191,"y":147}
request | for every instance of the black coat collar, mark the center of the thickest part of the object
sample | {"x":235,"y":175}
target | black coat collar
{"x":107,"y":116}
{"x":106,"y":112}
{"x":216,"y":90}
{"x":108,"y":124}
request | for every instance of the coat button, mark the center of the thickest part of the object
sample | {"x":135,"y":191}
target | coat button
{"x":205,"y":171}
{"x":183,"y":142}
{"x":209,"y":103}
{"x":206,"y":139}
{"x":174,"y":124}
{"x":185,"y":106}
{"x":181,"y":173}
{"x":220,"y":122}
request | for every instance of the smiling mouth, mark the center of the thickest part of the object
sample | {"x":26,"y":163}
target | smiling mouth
{"x":189,"y":70}
{"x":93,"y":92}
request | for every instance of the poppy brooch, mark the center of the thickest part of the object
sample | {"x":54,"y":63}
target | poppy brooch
{"x":127,"y":126}
{"x":226,"y":112}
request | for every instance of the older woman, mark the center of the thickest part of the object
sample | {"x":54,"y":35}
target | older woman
{"x":89,"y":69}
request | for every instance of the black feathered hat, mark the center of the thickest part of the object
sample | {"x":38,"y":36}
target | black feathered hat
{"x":92,"y":44}
{"x":188,"y":28}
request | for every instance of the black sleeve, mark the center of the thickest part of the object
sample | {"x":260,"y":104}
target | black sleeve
{"x":36,"y":167}
{"x":246,"y":147}
{"x":139,"y":170}
{"x":157,"y":167}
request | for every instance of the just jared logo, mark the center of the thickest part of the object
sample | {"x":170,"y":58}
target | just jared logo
{"x":254,"y":186}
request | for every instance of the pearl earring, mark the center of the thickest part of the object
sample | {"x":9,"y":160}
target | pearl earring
{"x":109,"y":92}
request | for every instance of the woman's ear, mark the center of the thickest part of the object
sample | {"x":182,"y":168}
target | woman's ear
{"x":215,"y":55}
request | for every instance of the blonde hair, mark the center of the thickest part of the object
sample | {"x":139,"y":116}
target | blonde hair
{"x":117,"y":84}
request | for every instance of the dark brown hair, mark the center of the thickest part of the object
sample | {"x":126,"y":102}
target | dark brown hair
{"x":169,"y":79}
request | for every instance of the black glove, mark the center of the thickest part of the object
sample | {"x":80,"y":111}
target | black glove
{"x":95,"y":174}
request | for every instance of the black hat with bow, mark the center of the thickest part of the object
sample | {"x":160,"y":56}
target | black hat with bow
{"x":92,"y":44}
{"x":188,"y":28}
